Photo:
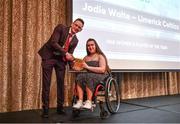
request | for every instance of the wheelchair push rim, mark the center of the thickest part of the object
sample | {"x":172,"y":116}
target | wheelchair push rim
{"x":112,"y":96}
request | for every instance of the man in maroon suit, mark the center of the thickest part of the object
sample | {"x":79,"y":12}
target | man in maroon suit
{"x":55,"y":53}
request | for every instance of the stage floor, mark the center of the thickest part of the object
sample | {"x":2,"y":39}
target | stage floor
{"x":161,"y":109}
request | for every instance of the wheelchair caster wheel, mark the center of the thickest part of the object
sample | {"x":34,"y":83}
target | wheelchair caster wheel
{"x":75,"y":112}
{"x":103,"y":114}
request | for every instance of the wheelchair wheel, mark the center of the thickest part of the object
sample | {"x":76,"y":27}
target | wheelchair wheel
{"x":112,"y":95}
{"x":104,"y":114}
{"x":75,"y":112}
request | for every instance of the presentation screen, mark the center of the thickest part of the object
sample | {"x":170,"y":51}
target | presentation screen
{"x":133,"y":34}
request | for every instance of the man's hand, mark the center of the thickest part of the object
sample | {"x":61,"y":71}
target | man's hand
{"x":69,"y":57}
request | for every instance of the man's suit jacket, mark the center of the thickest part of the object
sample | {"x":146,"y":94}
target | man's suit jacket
{"x":56,"y":42}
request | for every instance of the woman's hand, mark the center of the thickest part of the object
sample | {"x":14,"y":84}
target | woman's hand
{"x":85,"y":65}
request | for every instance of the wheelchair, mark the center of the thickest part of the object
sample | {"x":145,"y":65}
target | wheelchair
{"x":106,"y":91}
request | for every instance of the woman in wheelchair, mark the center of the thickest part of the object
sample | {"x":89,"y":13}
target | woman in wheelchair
{"x":95,"y":62}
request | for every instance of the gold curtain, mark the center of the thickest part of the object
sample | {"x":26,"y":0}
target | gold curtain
{"x":25,"y":25}
{"x":146,"y":84}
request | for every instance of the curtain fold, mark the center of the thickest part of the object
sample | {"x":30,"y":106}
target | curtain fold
{"x":25,"y":25}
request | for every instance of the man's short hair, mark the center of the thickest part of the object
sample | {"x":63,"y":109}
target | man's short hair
{"x":79,"y":19}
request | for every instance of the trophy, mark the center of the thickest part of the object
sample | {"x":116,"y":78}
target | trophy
{"x":77,"y":64}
